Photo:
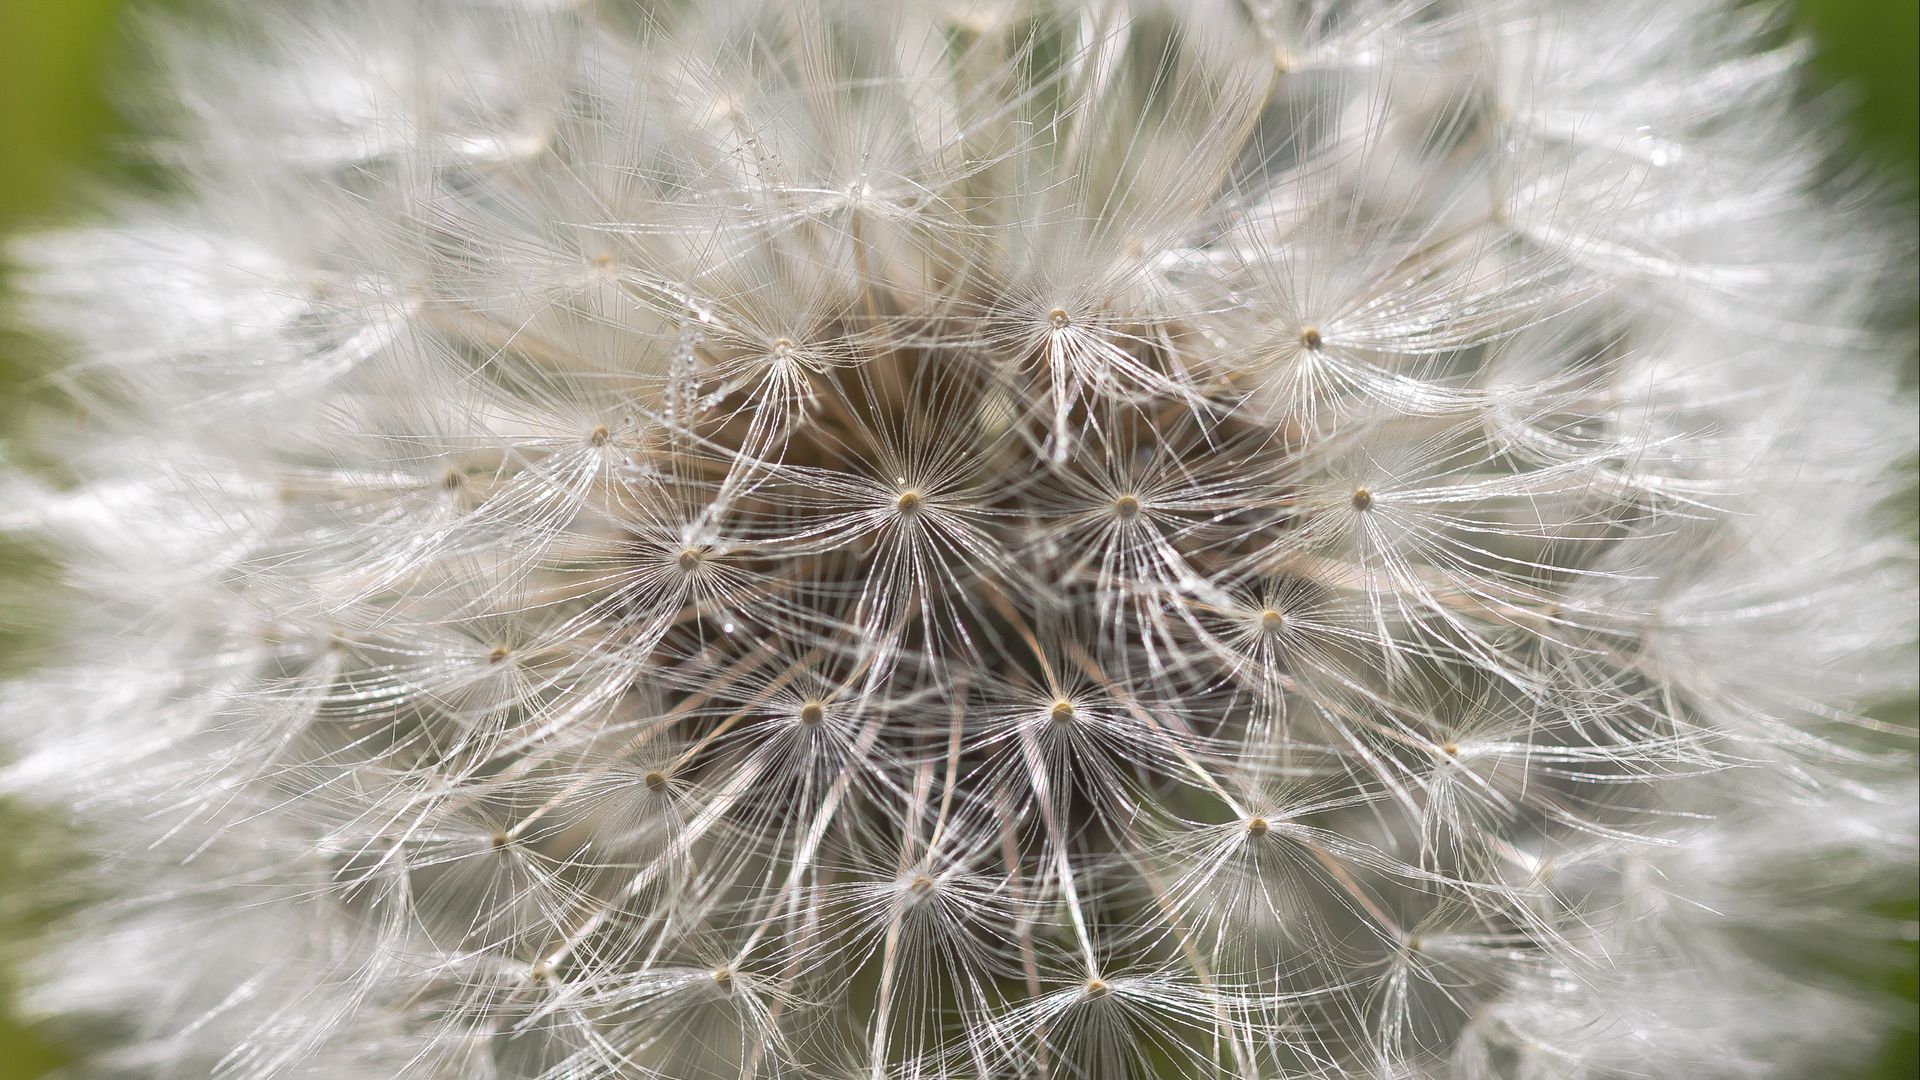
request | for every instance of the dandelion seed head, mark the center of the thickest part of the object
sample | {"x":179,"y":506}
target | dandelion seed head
{"x":1063,"y":539}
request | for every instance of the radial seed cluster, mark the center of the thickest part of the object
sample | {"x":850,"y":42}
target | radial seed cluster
{"x":903,"y":539}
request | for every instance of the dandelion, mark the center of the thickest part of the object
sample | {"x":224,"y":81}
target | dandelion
{"x":1062,"y":539}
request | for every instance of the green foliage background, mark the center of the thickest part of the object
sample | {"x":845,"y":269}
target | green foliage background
{"x":58,"y":59}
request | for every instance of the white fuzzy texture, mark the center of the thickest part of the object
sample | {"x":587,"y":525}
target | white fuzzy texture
{"x":1067,"y":539}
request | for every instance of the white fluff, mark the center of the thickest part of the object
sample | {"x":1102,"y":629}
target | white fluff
{"x":904,"y":539}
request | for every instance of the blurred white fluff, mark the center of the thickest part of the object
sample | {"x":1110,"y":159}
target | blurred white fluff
{"x":906,"y":539}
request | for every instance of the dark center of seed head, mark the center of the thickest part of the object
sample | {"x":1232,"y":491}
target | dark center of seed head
{"x":1126,"y":507}
{"x":1310,"y":338}
{"x":1362,"y":499}
{"x":812,"y":713}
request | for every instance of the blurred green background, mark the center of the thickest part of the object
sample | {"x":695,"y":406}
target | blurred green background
{"x":58,"y":57}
